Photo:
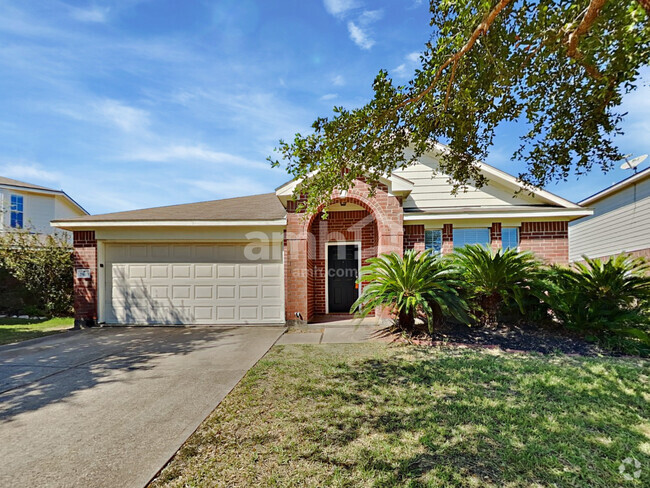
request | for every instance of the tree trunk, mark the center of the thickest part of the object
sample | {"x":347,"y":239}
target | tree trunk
{"x":406,"y":321}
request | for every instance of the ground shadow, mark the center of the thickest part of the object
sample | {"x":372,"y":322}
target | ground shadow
{"x":481,"y":419}
{"x":53,"y":370}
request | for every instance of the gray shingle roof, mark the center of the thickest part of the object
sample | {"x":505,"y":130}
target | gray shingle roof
{"x":255,"y":207}
{"x":22,"y":184}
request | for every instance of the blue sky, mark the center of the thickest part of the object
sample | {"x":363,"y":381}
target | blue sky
{"x":136,"y":103}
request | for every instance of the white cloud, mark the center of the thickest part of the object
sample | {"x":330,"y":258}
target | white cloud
{"x":405,"y":69}
{"x":370,"y":16}
{"x":338,"y":80}
{"x":29,"y":172}
{"x":329,"y":96}
{"x":414,"y":57}
{"x":339,"y":7}
{"x":193,"y":153}
{"x":360,"y":36}
{"x":127,"y":118}
{"x":92,"y":14}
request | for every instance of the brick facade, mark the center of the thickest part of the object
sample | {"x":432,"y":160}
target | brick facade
{"x":85,"y":289}
{"x":305,"y":239}
{"x":548,"y":240}
{"x":359,"y":226}
{"x":414,"y":237}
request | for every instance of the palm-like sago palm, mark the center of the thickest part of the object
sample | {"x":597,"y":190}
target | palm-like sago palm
{"x":603,"y":297}
{"x":416,"y":283}
{"x":493,"y":278}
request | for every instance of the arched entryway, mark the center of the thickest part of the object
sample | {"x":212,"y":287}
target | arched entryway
{"x":357,"y":228}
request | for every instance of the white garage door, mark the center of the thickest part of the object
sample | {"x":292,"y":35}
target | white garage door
{"x":193,"y":284}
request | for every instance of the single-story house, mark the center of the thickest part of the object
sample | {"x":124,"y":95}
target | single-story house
{"x":620,"y":223}
{"x":32,"y":207}
{"x":258,"y":260}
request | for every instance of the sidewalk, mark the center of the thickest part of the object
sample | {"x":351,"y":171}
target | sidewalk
{"x":350,"y":331}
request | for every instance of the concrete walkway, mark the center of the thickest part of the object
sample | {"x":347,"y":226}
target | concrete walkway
{"x":333,"y":334}
{"x":108,"y":407}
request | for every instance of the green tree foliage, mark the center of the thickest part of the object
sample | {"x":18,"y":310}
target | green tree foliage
{"x":557,"y":67}
{"x":416,"y":283}
{"x":44,"y":265}
{"x":494,"y":278}
{"x":604,"y":298}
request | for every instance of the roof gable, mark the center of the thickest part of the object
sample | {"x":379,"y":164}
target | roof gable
{"x":433,"y":189}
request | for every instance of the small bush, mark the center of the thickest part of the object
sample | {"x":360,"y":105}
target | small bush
{"x":494,"y":279}
{"x":44,"y":266}
{"x":418,"y":283}
{"x":608,"y":300}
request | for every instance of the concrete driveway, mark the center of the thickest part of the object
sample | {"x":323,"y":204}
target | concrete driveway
{"x":109,"y":407}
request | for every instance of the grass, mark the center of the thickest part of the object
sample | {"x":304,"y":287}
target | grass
{"x":16,"y":330}
{"x":384,"y":416}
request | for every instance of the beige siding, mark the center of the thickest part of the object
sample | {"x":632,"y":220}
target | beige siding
{"x":38,"y":210}
{"x":621,"y":223}
{"x":435,"y":191}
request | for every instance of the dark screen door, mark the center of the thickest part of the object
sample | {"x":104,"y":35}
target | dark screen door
{"x":342,"y":271}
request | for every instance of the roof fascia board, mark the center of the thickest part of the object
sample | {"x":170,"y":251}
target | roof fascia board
{"x":63,"y":224}
{"x":42,"y":191}
{"x":577,"y":213}
{"x":616,"y":187}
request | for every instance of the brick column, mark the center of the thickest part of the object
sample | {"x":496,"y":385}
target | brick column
{"x":85,"y":289}
{"x":447,"y":238}
{"x":495,"y":236}
{"x":414,"y":237}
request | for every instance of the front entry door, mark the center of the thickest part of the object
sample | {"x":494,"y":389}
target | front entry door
{"x":342,"y":273}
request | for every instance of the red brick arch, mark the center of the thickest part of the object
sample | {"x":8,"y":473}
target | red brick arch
{"x":300,"y":255}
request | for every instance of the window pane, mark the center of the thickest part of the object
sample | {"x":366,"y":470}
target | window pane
{"x":17,"y":220}
{"x":17,"y":203}
{"x":433,"y":240}
{"x":463,"y":237}
{"x":510,"y":238}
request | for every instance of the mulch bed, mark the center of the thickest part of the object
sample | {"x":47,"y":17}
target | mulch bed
{"x":511,"y":338}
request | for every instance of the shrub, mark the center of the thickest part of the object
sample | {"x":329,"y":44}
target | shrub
{"x":409,"y":285}
{"x":604,"y":298}
{"x":43,"y":265}
{"x":494,"y":278}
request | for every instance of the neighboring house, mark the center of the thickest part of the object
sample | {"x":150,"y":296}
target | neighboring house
{"x":620,"y":222}
{"x":257,"y":260}
{"x":32,"y":207}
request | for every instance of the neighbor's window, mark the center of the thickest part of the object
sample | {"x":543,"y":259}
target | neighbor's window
{"x":16,"y":211}
{"x":463,"y":237}
{"x":433,"y":240}
{"x":509,"y":237}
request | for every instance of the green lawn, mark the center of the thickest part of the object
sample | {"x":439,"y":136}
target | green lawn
{"x":382,"y":415}
{"x":16,"y":330}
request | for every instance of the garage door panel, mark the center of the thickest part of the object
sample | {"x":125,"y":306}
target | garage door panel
{"x":160,"y":271}
{"x":226,"y":271}
{"x":271,"y":312}
{"x":248,"y":271}
{"x":204,"y":292}
{"x":225,"y":313}
{"x":249,"y":312}
{"x":191,"y":283}
{"x":181,"y":270}
{"x":204,"y":271}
